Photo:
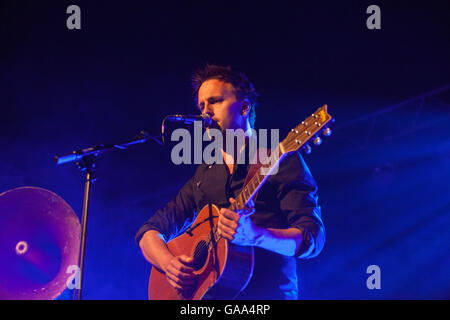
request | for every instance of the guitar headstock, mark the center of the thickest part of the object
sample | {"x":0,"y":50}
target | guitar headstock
{"x":307,"y":131}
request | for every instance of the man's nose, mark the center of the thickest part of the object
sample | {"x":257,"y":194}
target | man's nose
{"x":208,"y":109}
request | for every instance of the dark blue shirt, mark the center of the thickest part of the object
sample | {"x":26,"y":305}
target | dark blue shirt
{"x":287,"y":199}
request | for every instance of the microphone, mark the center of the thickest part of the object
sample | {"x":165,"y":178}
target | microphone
{"x":189,"y":119}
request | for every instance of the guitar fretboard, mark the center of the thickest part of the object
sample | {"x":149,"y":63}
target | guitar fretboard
{"x":298,"y":137}
{"x":249,"y":191}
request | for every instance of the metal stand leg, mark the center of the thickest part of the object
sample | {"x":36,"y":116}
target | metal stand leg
{"x":87,"y":165}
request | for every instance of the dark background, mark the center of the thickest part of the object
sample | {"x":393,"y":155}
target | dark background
{"x":383,"y":176}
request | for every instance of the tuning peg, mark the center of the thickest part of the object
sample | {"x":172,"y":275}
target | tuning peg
{"x":307,"y":149}
{"x":327,"y":132}
{"x":317,"y":141}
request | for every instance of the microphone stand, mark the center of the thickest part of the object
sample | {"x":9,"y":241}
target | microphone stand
{"x":85,"y":160}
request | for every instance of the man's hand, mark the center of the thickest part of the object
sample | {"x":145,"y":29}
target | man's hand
{"x":180,"y":273}
{"x":239,"y":229}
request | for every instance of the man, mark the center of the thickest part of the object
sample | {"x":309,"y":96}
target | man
{"x":287,"y":221}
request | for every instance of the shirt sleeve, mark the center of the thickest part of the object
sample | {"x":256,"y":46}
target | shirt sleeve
{"x":297,"y":193}
{"x":174,"y":217}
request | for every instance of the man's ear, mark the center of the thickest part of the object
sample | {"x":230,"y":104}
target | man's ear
{"x":245,"y":109}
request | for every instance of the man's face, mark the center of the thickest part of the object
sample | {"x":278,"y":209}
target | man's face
{"x":219,"y":99}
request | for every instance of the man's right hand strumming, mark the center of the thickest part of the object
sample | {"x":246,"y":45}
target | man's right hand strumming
{"x":178,"y":269}
{"x":180,"y":273}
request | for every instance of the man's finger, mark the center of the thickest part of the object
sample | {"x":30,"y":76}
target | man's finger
{"x":174,"y":284}
{"x":174,"y":280}
{"x":228,"y":223}
{"x":229,"y":214}
{"x":226,"y":235}
{"x":187,"y":261}
{"x":180,"y":274}
{"x":226,"y":229}
{"x":179,"y":278}
{"x":178,"y":266}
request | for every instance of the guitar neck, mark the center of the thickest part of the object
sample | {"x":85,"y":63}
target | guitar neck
{"x":299,"y":137}
{"x":261,"y":175}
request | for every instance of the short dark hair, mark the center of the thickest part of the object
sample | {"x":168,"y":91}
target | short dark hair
{"x":244,"y":88}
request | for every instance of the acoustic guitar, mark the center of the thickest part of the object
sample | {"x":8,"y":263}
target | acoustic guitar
{"x":224,"y":269}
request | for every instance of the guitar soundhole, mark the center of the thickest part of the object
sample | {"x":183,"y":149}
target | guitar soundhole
{"x":200,"y":255}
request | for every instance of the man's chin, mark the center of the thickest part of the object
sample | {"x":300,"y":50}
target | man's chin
{"x":216,"y":125}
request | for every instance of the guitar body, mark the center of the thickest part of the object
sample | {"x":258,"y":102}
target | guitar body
{"x":222,"y":272}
